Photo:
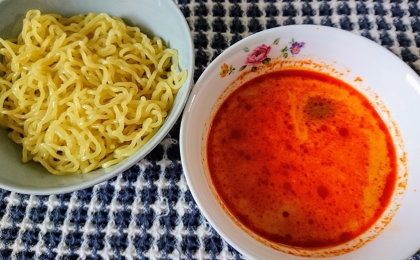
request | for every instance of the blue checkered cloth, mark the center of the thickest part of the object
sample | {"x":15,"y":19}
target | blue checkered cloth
{"x":147,"y":212}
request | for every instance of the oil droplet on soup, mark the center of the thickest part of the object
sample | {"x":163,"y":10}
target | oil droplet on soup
{"x":302,"y":159}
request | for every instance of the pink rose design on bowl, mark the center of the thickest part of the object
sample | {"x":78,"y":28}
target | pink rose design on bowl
{"x":258,"y":55}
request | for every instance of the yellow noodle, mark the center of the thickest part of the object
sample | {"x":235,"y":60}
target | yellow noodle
{"x":84,"y":92}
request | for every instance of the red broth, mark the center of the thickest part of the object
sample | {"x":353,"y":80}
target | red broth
{"x":302,"y":159}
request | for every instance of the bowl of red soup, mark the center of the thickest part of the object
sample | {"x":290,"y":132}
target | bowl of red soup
{"x":302,"y":141}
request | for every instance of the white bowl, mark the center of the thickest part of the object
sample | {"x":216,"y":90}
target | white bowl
{"x":392,"y":87}
{"x":155,"y":18}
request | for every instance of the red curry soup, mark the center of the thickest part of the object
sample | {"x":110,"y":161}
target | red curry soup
{"x":301,"y":159}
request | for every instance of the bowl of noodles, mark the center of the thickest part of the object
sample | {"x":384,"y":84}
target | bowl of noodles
{"x":87,"y":88}
{"x":297,"y":147}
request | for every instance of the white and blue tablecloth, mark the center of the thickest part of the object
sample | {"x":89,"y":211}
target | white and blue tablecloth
{"x":147,"y":212}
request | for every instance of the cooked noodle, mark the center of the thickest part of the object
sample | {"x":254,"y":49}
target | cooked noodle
{"x":84,"y":92}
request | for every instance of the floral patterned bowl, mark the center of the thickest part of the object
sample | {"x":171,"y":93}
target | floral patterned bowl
{"x":393,"y":89}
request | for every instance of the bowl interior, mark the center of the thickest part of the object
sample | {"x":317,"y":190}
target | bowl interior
{"x":392,"y":87}
{"x":155,"y":18}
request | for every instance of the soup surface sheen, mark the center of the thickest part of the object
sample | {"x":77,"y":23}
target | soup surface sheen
{"x":301,"y":159}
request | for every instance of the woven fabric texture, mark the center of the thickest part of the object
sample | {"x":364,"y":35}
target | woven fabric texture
{"x":148,"y":212}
